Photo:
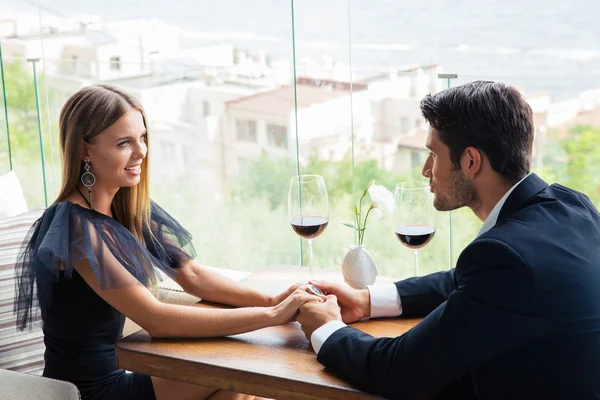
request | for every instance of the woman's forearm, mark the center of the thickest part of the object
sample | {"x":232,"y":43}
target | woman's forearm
{"x":170,"y":320}
{"x":209,"y":285}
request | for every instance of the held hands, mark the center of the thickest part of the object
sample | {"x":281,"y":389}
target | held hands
{"x":355,"y":304}
{"x":287,"y":310}
{"x":342,"y":303}
{"x":313,"y":315}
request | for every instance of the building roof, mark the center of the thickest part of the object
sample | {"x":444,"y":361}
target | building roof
{"x":99,"y":37}
{"x":415,"y":141}
{"x":78,"y":37}
{"x":281,"y":101}
{"x":585,"y":117}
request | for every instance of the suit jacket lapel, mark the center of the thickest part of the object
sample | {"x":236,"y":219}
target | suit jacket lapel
{"x":531,"y":186}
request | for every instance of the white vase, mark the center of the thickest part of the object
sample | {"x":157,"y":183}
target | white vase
{"x":358,"y":268}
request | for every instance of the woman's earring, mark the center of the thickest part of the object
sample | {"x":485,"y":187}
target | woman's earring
{"x":88,"y":179}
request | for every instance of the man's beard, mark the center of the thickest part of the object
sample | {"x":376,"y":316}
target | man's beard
{"x":461,"y":192}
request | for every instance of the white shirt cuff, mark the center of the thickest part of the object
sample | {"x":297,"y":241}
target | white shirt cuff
{"x":319,"y":336}
{"x":385,"y":301}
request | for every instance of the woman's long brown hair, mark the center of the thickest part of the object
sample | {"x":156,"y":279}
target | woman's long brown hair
{"x":86,"y":114}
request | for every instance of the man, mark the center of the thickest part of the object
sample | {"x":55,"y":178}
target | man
{"x":519,"y":316}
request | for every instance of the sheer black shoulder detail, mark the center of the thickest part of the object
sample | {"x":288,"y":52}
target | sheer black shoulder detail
{"x":68,"y":234}
{"x":169,"y":241}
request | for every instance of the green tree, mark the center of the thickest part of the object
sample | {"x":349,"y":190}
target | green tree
{"x":574,"y":160}
{"x":20,"y":91}
{"x":22,"y":111}
{"x":269,"y":178}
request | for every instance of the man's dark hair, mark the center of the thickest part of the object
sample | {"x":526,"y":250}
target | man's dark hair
{"x":490,"y":116}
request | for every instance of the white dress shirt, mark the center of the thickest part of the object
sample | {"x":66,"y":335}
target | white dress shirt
{"x":385,"y":300}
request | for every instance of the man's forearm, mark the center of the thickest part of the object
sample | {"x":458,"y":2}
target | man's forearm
{"x":421,"y":295}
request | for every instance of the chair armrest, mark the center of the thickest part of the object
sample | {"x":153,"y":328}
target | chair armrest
{"x":17,"y":386}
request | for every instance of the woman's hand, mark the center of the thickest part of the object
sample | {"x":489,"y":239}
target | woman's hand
{"x":287,"y":310}
{"x":278,"y":298}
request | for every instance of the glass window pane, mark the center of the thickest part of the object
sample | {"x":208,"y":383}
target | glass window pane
{"x":203,"y":82}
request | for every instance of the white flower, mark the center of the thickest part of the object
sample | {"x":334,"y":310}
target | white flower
{"x":381,"y":199}
{"x":378,"y":212}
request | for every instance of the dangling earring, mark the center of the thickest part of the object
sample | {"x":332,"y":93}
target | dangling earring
{"x":88,"y":179}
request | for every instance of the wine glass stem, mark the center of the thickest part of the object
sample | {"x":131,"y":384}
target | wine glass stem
{"x":310,"y":260}
{"x":416,"y":253}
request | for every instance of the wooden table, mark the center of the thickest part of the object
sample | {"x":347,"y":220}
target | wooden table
{"x":276,"y":362}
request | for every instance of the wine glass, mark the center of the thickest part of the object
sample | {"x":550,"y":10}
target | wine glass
{"x":414,"y":222}
{"x":308,"y":209}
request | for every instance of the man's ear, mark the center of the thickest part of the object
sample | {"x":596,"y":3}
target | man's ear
{"x":471,"y":161}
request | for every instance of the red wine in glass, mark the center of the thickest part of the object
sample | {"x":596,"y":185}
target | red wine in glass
{"x":415,"y":236}
{"x":414,"y":216}
{"x":308,"y":209}
{"x":309,"y":227}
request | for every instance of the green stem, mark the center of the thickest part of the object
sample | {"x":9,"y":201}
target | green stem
{"x":361,"y":237}
{"x":357,"y":221}
{"x":360,"y":204}
{"x":358,"y":226}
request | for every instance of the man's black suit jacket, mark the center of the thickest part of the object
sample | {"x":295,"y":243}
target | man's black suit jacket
{"x":519,"y":316}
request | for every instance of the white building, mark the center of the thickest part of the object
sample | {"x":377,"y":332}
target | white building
{"x":86,"y":49}
{"x":380,"y":114}
{"x":560,"y":116}
{"x":400,"y":130}
{"x":268,"y":121}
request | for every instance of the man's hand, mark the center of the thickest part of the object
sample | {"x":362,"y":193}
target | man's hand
{"x":314,"y":315}
{"x":355,"y":304}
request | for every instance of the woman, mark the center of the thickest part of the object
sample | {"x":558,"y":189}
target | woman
{"x":94,"y":252}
